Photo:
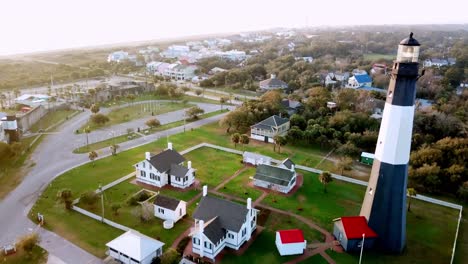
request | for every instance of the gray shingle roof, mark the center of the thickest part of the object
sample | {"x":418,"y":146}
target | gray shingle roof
{"x":163,"y":161}
{"x":274,"y":175}
{"x":178,"y":170}
{"x":166,"y":202}
{"x":272,"y":121}
{"x":287,"y":162}
{"x":273,"y":83}
{"x":214,"y":230}
{"x":231,"y":215}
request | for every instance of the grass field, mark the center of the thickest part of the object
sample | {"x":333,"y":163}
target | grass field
{"x":430,"y":228}
{"x":37,"y":256}
{"x":377,"y":56}
{"x":146,"y":97}
{"x":136,"y":111}
{"x":52,"y":118}
{"x":239,"y":185}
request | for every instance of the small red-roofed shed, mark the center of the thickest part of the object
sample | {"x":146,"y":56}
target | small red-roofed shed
{"x":290,"y":242}
{"x":349,"y":231}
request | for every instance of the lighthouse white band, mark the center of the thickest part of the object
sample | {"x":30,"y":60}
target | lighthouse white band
{"x":394,"y":142}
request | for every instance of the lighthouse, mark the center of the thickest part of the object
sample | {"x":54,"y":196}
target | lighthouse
{"x":385,"y":198}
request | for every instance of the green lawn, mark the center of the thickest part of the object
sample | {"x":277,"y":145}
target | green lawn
{"x":124,"y":138}
{"x":213,"y":166}
{"x":430,"y":228}
{"x":37,"y":256}
{"x":147,"y":97}
{"x":239,"y":185}
{"x":377,"y":56}
{"x":52,"y":118}
{"x":137,"y":111}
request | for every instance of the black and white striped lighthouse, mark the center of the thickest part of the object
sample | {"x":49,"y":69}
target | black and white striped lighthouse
{"x":385,"y":198}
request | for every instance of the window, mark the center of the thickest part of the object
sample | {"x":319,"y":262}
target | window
{"x":244,"y":231}
{"x":231,"y":236}
{"x":196,"y":241}
{"x":160,"y":210}
{"x":113,"y":250}
{"x":186,"y":178}
{"x":144,"y":165}
{"x":180,"y":212}
{"x":177,"y":178}
{"x":152,"y":176}
{"x":143,"y":174}
{"x":208,"y":245}
{"x":158,"y":178}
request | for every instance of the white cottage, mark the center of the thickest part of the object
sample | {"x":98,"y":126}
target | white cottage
{"x":255,"y":158}
{"x":290,"y":242}
{"x":167,"y":208}
{"x":165,"y":168}
{"x":133,"y":247}
{"x":220,"y":223}
{"x":281,"y":178}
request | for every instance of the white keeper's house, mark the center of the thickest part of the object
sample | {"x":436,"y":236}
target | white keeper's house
{"x":267,"y":129}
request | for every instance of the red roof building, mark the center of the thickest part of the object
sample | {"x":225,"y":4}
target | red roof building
{"x":290,"y":242}
{"x":349,"y":230}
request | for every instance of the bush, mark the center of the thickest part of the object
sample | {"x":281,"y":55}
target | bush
{"x":89,"y":198}
{"x":170,"y":257}
{"x":183,"y":244}
{"x":99,"y":119}
{"x":27,"y":242}
{"x":132,"y":201}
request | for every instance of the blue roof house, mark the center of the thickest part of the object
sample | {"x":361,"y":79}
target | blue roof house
{"x":359,"y":81}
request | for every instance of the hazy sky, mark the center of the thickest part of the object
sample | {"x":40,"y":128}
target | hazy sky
{"x":32,"y":25}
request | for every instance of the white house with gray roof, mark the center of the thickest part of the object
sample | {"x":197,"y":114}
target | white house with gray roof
{"x":220,"y":223}
{"x":272,"y":84}
{"x":281,"y":178}
{"x":133,"y":247}
{"x":168,"y":208}
{"x":267,"y":129}
{"x":165,"y":168}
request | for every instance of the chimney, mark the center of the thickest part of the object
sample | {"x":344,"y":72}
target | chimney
{"x":189,"y":164}
{"x":273,"y":76}
{"x":148,"y":155}
{"x":205,"y":190}
{"x":169,"y":145}
{"x":292,"y":167}
{"x":249,"y":203}
{"x":201,"y":226}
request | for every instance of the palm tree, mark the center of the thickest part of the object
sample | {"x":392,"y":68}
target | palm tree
{"x":222,"y":100}
{"x":87,"y":130}
{"x":114,"y":149}
{"x":235,"y":138}
{"x":280,"y":141}
{"x":244,"y":140}
{"x":411,"y":192}
{"x":344,"y":163}
{"x":92,"y":156}
{"x":325,"y":178}
{"x":65,"y":196}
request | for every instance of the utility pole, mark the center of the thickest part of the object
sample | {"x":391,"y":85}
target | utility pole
{"x":102,"y":203}
{"x":362,"y":247}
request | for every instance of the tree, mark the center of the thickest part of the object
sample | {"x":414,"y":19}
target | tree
{"x":99,"y":119}
{"x":348,"y":149}
{"x":94,"y":108}
{"x":279,"y":141}
{"x":92,"y":93}
{"x":325,"y":178}
{"x":92,"y":156}
{"x":65,"y":196}
{"x":115,"y":208}
{"x":244,"y":140}
{"x":344,"y":163}
{"x":411,"y":192}
{"x":131,"y":97}
{"x":193,"y":112}
{"x":153,"y":123}
{"x":235,"y":138}
{"x":463,"y":192}
{"x":198,"y":92}
{"x":223,"y":100}
{"x":170,"y":256}
{"x":114,"y":149}
{"x":28,"y":242}
{"x":89,"y":198}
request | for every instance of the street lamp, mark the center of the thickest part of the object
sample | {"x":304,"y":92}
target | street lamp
{"x":362,"y":247}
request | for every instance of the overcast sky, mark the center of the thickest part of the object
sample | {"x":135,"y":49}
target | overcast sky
{"x":33,"y":25}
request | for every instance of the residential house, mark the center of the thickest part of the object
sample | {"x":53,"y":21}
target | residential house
{"x":255,"y":158}
{"x":290,"y":242}
{"x":165,"y":168}
{"x":167,"y":208}
{"x":234,"y":55}
{"x":379,"y":68}
{"x":436,"y":62}
{"x":33,"y":100}
{"x":220,"y":223}
{"x":180,"y":72}
{"x":174,"y":51}
{"x":291,"y":106}
{"x":277,"y":178}
{"x":287,"y":164}
{"x":333,"y":78}
{"x":358,"y":72}
{"x":272,"y":84}
{"x":359,"y":80}
{"x":349,"y":232}
{"x":267,"y":129}
{"x":117,"y":56}
{"x":216,"y":70}
{"x":9,"y":129}
{"x":133,"y":247}
{"x":308,"y":59}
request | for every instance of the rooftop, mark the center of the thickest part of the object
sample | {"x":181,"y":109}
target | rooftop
{"x":355,"y":226}
{"x":135,"y":245}
{"x":166,"y":202}
{"x":272,"y":174}
{"x":291,"y":236}
{"x":163,"y":161}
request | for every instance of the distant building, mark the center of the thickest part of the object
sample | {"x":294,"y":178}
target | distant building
{"x":32,"y":100}
{"x":8,"y":129}
{"x":291,"y":106}
{"x":333,"y":77}
{"x":234,"y":55}
{"x":220,"y":223}
{"x":278,"y":178}
{"x":379,"y":68}
{"x":367,"y":158}
{"x":308,"y":59}
{"x":255,"y":158}
{"x":117,"y":56}
{"x":436,"y":62}
{"x":359,"y":80}
{"x":216,"y":70}
{"x":133,"y":247}
{"x":174,"y":51}
{"x":267,"y":129}
{"x":272,"y":84}
{"x":349,"y":232}
{"x":180,"y":72}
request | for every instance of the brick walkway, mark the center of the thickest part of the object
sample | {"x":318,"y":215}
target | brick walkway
{"x":230,"y":178}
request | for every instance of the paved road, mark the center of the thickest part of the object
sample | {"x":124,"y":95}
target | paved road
{"x":52,"y":157}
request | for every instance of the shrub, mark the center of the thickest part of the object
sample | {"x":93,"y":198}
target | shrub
{"x":99,"y":119}
{"x":183,"y":244}
{"x":27,"y":242}
{"x":89,"y":198}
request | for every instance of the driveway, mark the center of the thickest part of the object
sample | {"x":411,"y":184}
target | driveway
{"x":53,"y":157}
